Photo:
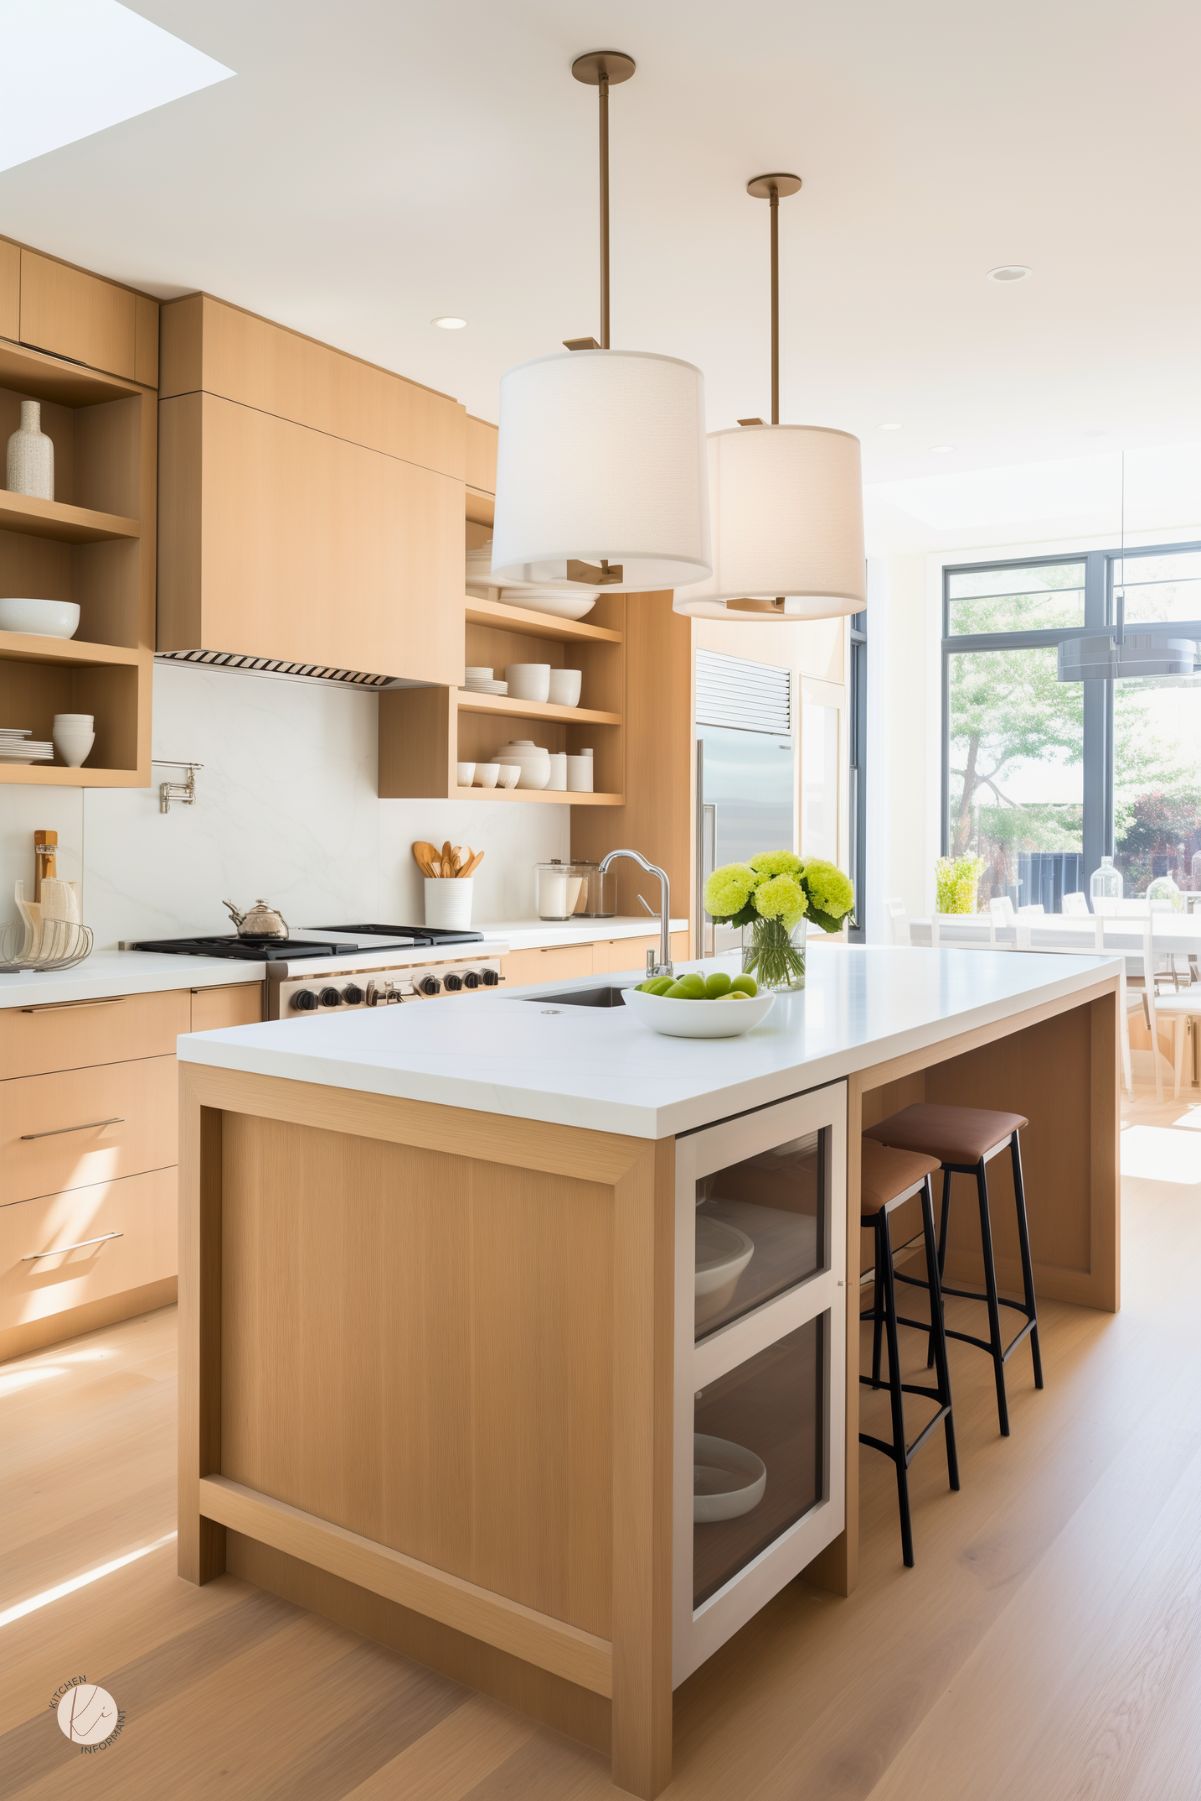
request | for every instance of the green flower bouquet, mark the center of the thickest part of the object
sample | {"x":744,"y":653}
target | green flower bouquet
{"x":957,"y":883}
{"x":773,"y":898}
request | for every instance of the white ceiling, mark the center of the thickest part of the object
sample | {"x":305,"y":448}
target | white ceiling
{"x":380,"y":162}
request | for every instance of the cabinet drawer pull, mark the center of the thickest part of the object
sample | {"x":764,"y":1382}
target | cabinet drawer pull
{"x":100,"y":1000}
{"x":89,"y":1125}
{"x":61,"y":1250}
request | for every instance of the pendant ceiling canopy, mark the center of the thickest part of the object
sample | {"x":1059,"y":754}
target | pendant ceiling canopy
{"x":601,"y":469}
{"x":787,"y":501}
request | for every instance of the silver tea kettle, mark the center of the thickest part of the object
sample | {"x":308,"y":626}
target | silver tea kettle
{"x":259,"y":921}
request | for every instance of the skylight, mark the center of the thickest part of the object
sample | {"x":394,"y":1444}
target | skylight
{"x":75,"y":67}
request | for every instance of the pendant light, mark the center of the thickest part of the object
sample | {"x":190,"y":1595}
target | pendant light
{"x":601,"y":474}
{"x":787,"y":500}
{"x":1115,"y":653}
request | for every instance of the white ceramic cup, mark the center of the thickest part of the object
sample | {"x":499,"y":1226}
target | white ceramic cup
{"x":73,"y":737}
{"x":579,"y":774}
{"x":565,"y":687}
{"x":465,"y":773}
{"x":558,"y":769}
{"x":529,"y":681}
{"x":448,"y":901}
{"x":509,"y":775}
{"x":487,"y":775}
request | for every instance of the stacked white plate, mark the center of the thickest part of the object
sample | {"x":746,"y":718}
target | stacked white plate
{"x":17,"y":745}
{"x":473,"y":685}
{"x":566,"y":600}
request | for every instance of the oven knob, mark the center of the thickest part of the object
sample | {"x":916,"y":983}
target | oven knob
{"x":491,"y":978}
{"x":352,"y":994}
{"x":430,"y":985}
{"x":471,"y":979}
{"x":329,"y":997}
{"x":303,"y":1001}
{"x":453,"y":984}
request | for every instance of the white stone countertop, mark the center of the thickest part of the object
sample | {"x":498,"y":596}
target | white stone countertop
{"x":600,"y":1069}
{"x":123,"y":972}
{"x":536,"y":934}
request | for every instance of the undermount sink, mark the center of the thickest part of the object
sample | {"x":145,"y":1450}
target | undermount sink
{"x":607,"y":996}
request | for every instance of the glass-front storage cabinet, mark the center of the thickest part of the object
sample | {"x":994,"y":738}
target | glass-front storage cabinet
{"x":760,"y":1361}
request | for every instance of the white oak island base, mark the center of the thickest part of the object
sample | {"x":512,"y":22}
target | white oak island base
{"x":428,"y":1355}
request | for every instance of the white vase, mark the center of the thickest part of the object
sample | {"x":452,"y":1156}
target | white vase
{"x":73,"y":737}
{"x":30,"y":464}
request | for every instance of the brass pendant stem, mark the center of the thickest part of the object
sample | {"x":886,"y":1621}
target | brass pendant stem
{"x":603,"y":93}
{"x":774,"y":211}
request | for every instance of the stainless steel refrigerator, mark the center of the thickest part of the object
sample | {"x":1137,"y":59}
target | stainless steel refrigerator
{"x":745,"y":771}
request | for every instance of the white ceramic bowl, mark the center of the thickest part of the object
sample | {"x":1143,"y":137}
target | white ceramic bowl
{"x":487,"y":775}
{"x":722,"y":1253}
{"x":529,"y":681}
{"x":565,"y":687}
{"x":510,"y":775}
{"x":465,"y":773}
{"x":697,"y":1019}
{"x":727,"y":1479}
{"x":561,"y":603}
{"x":42,"y":618}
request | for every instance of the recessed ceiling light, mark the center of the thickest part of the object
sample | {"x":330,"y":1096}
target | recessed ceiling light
{"x":449,"y":322}
{"x":77,"y":67}
{"x":891,"y":425}
{"x":1009,"y":272}
{"x":942,"y":450}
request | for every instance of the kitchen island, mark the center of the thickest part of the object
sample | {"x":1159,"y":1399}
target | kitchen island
{"x":447,"y":1334}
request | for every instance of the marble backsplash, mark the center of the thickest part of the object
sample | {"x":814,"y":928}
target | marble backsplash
{"x":286,"y":807}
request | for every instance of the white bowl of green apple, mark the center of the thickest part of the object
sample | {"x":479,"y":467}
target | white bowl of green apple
{"x":717,"y":1005}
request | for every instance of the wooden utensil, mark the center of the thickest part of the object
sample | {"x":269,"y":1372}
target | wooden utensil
{"x":448,"y":862}
{"x":425,"y":856}
{"x":45,"y":859}
{"x":476,"y":858}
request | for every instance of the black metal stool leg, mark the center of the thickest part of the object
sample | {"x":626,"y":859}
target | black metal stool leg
{"x":943,"y":1223}
{"x":996,"y":1342}
{"x":1019,"y":1192}
{"x":938,"y":1337}
{"x":884,"y":1265}
{"x":878,"y":1321}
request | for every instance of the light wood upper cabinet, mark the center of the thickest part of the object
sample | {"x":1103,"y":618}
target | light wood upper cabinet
{"x":209,"y":344}
{"x":10,"y":289}
{"x":81,"y":316}
{"x":280,"y":541}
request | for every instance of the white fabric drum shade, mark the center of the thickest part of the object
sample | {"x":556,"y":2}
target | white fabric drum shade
{"x":787,"y":506}
{"x":602,"y":455}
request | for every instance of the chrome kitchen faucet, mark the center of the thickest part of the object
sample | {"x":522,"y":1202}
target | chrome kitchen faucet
{"x":662,"y":965}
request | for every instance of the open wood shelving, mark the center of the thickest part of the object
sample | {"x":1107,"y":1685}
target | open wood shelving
{"x":93,"y":544}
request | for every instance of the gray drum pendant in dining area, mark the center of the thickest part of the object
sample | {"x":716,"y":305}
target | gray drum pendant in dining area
{"x":601,"y":463}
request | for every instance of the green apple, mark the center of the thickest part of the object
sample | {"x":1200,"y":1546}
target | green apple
{"x":688,"y":988}
{"x":745,"y":985}
{"x":716,"y":985}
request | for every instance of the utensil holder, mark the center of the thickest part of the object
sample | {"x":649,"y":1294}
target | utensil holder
{"x":448,"y":902}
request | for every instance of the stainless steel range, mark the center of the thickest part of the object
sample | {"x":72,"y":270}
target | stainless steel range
{"x":346,"y":968}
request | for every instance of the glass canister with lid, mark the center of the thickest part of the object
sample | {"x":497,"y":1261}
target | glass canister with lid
{"x":559,"y":888}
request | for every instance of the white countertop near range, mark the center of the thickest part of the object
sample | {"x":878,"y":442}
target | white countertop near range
{"x":107,"y":973}
{"x":541,"y":934}
{"x":598,"y":1068}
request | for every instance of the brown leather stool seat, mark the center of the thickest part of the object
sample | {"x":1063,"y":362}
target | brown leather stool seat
{"x":887,"y":1179}
{"x":959,"y":1135}
{"x":886,"y":1175}
{"x":963,"y":1139}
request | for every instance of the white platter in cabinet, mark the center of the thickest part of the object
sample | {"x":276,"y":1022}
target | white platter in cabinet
{"x":816,"y":1301}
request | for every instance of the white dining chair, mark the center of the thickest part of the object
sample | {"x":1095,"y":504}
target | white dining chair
{"x":1176,"y":1008}
{"x":1075,"y":903}
{"x":1001,"y":908}
{"x":898,"y":921}
{"x":1033,"y":908}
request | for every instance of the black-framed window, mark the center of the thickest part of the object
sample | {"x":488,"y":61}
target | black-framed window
{"x":858,"y":773}
{"x":1041,"y":778}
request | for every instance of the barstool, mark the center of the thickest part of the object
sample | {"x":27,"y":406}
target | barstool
{"x":964,"y":1140}
{"x":887,"y":1179}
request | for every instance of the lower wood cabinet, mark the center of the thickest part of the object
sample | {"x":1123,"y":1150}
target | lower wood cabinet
{"x":89,"y":1144}
{"x":81,"y":1126}
{"x":70,"y":1262}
